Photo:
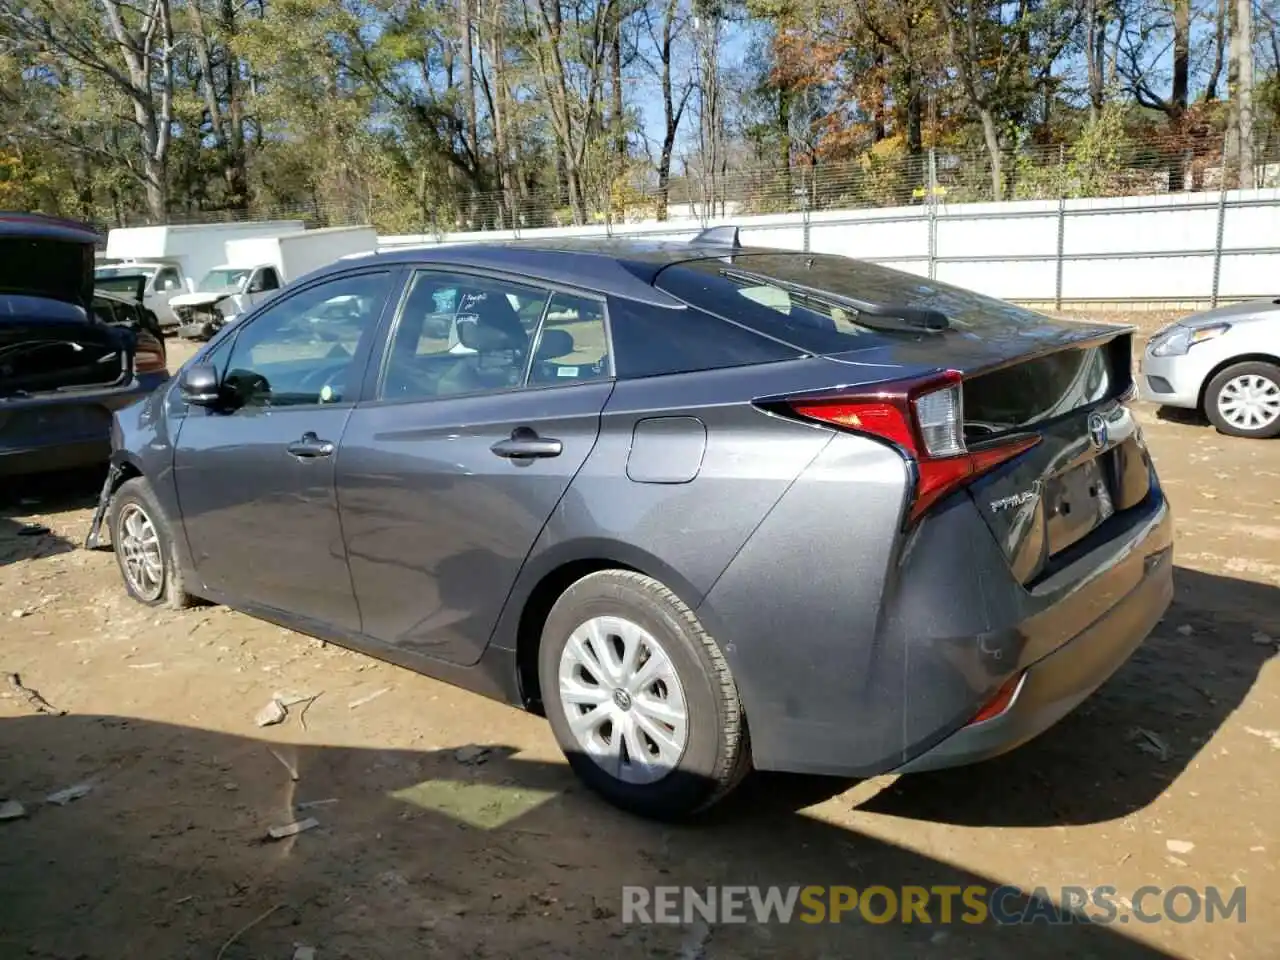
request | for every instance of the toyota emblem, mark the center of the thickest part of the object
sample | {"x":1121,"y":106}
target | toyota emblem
{"x":1097,"y":430}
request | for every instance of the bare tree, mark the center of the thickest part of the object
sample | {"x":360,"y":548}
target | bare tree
{"x":1141,"y":77}
{"x":663,"y":37}
{"x":219,"y":70}
{"x":1238,"y":162}
{"x":134,"y":56}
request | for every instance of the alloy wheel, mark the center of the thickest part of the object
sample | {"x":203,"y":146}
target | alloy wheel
{"x":140,"y":552}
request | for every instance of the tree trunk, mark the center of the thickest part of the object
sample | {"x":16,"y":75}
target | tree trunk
{"x":877,"y":113}
{"x":784,"y":141}
{"x":142,"y":52}
{"x":1219,"y":51}
{"x":915,"y":117}
{"x":991,"y":137}
{"x":1178,"y":94}
{"x":237,"y":173}
{"x":1096,"y":55}
{"x":1238,"y":156}
{"x":671,"y":112}
{"x":470,"y":137}
{"x":502,"y":146}
{"x":615,"y":64}
{"x":156,"y":188}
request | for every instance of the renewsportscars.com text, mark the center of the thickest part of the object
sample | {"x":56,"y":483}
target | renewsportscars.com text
{"x":974,"y":904}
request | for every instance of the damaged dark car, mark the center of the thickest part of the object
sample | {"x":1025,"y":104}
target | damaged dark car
{"x":70,"y":355}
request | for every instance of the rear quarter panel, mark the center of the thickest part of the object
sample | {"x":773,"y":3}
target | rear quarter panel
{"x":683,"y":533}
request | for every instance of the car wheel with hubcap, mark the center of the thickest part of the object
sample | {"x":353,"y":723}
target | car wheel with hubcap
{"x":143,"y":546}
{"x":1244,"y":400}
{"x":640,"y":697}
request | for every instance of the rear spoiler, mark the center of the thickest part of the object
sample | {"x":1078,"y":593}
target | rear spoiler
{"x":719,"y":236}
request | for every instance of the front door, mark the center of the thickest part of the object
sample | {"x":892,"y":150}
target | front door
{"x":255,"y":478}
{"x":166,"y":282}
{"x":447,"y":478}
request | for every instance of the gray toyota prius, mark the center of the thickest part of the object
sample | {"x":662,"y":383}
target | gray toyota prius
{"x":706,"y":507}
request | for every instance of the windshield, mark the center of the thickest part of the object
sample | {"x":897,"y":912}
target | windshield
{"x":119,"y":282}
{"x":222,"y":280}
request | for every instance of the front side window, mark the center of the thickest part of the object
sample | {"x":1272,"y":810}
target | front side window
{"x":300,"y":350}
{"x":460,"y":334}
{"x":267,"y":279}
{"x":167,"y":280}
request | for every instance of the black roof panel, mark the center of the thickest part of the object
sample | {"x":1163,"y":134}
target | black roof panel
{"x":612,"y":265}
{"x":38,"y":226}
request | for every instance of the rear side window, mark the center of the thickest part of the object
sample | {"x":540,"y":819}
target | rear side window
{"x":571,"y":346}
{"x":651,"y":341}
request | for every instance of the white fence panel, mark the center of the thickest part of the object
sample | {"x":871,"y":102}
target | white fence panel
{"x":1152,"y":248}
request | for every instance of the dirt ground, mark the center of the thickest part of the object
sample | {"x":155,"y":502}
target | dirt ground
{"x":424,"y":851}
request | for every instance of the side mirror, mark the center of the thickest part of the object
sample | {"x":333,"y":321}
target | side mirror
{"x":199,"y":385}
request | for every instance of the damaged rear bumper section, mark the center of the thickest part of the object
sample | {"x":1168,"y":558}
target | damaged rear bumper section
{"x":1051,"y":688}
{"x":64,"y":431}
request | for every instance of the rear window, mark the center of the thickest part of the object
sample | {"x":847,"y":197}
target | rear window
{"x":752,"y":289}
{"x":44,"y":268}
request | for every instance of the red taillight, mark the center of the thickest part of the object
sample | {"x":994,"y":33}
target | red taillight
{"x":149,"y":355}
{"x":925,"y":418}
{"x":1000,"y":702}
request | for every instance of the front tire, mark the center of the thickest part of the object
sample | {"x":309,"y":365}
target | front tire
{"x":1244,"y":400}
{"x":144,"y":548}
{"x":640,"y":698}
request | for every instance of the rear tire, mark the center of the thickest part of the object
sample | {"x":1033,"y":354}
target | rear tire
{"x":661,"y":732}
{"x":1244,"y":400}
{"x":144,"y":548}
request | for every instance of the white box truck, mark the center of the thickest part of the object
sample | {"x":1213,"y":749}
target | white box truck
{"x":256,"y":268}
{"x":173,"y":258}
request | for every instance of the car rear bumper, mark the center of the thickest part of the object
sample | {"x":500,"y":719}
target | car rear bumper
{"x":851,"y":662}
{"x":1052,"y":687}
{"x":64,"y":432}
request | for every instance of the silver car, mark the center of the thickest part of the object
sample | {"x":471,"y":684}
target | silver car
{"x":1224,"y":363}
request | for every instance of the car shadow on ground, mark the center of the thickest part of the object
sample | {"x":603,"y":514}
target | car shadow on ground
{"x":24,"y":540}
{"x":1123,"y":746}
{"x":420,"y":854}
{"x":26,"y":497}
{"x":1183,"y":416}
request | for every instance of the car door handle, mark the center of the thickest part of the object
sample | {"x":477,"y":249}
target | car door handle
{"x":309,"y":446}
{"x":525,"y":444}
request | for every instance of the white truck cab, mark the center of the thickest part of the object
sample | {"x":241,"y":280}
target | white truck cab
{"x":233,"y":289}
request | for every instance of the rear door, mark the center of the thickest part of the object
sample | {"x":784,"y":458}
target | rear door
{"x":448,"y":476}
{"x":255,"y":478}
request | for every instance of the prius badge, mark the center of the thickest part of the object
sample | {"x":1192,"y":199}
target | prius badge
{"x":1015,"y":499}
